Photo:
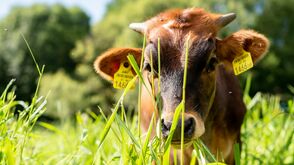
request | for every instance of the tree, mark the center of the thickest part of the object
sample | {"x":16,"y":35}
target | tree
{"x":275,"y":73}
{"x":51,"y":32}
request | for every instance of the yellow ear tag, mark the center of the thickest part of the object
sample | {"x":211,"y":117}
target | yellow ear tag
{"x":242,"y":63}
{"x":123,"y":76}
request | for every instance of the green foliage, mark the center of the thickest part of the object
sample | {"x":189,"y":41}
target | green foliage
{"x":15,"y":131}
{"x":51,"y":30}
{"x":267,"y":135}
{"x":275,"y":73}
{"x":63,"y":100}
{"x":67,"y":96}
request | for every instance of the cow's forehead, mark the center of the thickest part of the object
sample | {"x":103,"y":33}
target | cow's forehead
{"x":175,"y":24}
{"x":179,"y":14}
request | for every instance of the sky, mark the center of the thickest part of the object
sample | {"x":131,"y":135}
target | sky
{"x":94,"y":8}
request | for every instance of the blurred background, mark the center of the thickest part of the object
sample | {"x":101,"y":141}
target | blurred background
{"x":67,"y":35}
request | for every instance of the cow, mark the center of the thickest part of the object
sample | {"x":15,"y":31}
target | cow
{"x":214,"y":108}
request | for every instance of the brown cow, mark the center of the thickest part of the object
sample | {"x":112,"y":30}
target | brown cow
{"x":214,"y":109}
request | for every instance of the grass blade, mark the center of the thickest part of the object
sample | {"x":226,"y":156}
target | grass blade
{"x":167,"y":145}
{"x":166,"y":155}
{"x":113,"y":116}
{"x":31,"y":53}
{"x":4,"y":93}
{"x":194,"y":156}
{"x":173,"y":126}
{"x":135,"y":67}
{"x":123,"y":125}
{"x":237,"y":154}
{"x":208,"y":154}
{"x":145,"y":146}
{"x":51,"y":127}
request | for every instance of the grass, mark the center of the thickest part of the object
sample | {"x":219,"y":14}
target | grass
{"x":267,"y":133}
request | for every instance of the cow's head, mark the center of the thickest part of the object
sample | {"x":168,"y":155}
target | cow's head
{"x":174,"y":28}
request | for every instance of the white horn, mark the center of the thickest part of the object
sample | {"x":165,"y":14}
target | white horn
{"x":138,"y":27}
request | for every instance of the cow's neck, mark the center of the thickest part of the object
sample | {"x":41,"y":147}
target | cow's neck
{"x":220,"y":132}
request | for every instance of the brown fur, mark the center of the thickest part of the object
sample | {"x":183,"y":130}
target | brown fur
{"x":214,"y":98}
{"x":249,"y":40}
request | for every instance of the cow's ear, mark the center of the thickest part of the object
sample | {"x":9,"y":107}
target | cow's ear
{"x":233,"y":46}
{"x":109,"y":62}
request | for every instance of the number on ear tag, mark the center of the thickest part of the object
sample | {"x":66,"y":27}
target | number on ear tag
{"x":123,"y":76}
{"x":242,"y":63}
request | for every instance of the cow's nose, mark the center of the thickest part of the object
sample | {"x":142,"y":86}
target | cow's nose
{"x":189,"y":128}
{"x":165,"y":127}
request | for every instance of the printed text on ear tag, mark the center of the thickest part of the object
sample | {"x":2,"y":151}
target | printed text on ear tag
{"x":123,"y":76}
{"x":242,"y":63}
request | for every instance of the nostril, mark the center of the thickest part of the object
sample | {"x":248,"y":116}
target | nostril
{"x":165,"y":126}
{"x":189,"y":126}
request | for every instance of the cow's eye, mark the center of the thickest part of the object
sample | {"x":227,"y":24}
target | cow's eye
{"x":211,"y":64}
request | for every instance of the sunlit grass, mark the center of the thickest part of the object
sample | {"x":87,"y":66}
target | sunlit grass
{"x":267,"y":136}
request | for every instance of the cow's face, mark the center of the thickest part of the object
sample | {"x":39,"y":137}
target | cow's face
{"x":177,"y":30}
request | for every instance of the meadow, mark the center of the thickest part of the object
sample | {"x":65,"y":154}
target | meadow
{"x":267,"y":135}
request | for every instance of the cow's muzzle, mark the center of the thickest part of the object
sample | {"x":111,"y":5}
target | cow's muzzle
{"x":193,"y":128}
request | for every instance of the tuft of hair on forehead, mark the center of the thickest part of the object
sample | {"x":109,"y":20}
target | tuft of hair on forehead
{"x":194,"y":11}
{"x":175,"y":13}
{"x":181,"y":15}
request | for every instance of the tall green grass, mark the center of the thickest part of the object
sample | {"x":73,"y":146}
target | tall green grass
{"x":267,"y":133}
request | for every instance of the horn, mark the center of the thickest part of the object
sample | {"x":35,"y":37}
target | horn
{"x":223,"y":20}
{"x":138,"y":27}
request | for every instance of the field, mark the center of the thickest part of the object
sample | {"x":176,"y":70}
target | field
{"x":267,"y":135}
